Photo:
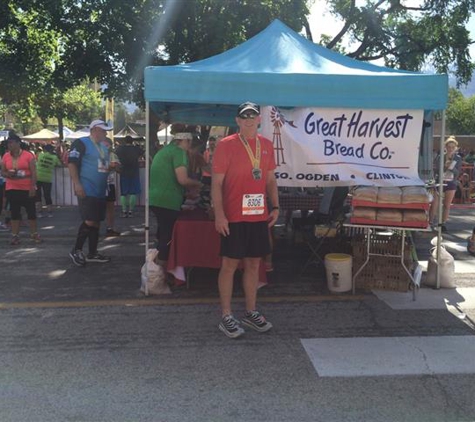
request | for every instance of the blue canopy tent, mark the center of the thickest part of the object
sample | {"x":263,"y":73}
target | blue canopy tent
{"x":279,"y":67}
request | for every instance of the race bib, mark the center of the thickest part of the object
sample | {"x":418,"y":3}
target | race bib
{"x":253,"y":204}
{"x":102,"y":166}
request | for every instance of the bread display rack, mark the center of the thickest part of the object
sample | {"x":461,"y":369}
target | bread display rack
{"x":374,"y":206}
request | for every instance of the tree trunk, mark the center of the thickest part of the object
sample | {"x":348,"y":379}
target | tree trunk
{"x":60,"y":127}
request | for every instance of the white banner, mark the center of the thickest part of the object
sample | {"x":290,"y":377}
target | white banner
{"x":344,"y":147}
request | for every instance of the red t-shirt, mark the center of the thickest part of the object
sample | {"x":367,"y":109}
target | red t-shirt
{"x":231,"y":158}
{"x":22,"y":167}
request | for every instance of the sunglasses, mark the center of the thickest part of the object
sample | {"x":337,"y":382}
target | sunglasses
{"x":246,"y":116}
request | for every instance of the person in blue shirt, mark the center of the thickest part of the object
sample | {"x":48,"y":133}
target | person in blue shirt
{"x":89,"y":167}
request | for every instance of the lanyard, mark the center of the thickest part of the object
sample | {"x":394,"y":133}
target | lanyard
{"x":99,"y":150}
{"x":255,"y":160}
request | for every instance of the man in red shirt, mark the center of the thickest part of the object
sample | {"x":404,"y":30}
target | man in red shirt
{"x":243,"y":179}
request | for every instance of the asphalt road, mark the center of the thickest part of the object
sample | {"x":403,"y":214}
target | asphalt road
{"x":81,"y":344}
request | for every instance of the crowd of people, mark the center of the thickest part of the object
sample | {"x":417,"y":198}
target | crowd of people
{"x":33,"y":165}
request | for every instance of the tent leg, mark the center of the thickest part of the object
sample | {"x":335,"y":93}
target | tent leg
{"x":147,"y":176}
{"x":441,"y":193}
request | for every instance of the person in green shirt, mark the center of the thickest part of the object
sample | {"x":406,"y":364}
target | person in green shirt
{"x":168,"y":181}
{"x":46,"y":162}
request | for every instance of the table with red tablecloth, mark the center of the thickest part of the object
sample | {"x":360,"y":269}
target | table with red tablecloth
{"x":196,"y":243}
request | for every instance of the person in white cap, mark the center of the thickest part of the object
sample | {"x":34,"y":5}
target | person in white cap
{"x":242,"y":181}
{"x":89,"y":167}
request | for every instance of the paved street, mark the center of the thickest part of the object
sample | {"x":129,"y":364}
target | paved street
{"x":81,"y":344}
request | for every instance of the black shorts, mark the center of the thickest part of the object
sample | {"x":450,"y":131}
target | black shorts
{"x":246,"y":240}
{"x":110,"y":193}
{"x":92,"y":208}
{"x":18,"y":199}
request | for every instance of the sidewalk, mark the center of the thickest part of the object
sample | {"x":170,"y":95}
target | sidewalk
{"x":45,"y":273}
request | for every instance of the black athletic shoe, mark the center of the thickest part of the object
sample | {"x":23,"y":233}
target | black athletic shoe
{"x":110,"y":232}
{"x":230,"y":327}
{"x":256,"y":321}
{"x":97,"y":257}
{"x":78,"y":257}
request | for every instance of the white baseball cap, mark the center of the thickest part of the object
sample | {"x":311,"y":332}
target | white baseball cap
{"x":100,"y":124}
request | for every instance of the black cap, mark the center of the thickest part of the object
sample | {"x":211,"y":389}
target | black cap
{"x":12,"y":136}
{"x":248,"y":106}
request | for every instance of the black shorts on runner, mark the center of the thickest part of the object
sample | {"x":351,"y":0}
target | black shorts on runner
{"x":92,"y":208}
{"x":246,"y":240}
{"x":110,"y":193}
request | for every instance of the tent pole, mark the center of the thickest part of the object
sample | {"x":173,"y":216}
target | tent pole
{"x":147,"y":175}
{"x":441,"y":193}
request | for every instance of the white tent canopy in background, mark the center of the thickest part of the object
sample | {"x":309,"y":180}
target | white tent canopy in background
{"x":66,"y":131}
{"x":164,"y":135}
{"x":127,"y":131}
{"x":44,"y":136}
{"x":76,"y":135}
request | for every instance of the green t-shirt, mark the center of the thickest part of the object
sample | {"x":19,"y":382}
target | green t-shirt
{"x":165,"y":191}
{"x":45,"y":166}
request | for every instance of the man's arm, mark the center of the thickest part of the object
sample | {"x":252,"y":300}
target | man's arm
{"x":74,"y":173}
{"x":273,"y":195}
{"x":181,"y":174}
{"x":221,"y":222}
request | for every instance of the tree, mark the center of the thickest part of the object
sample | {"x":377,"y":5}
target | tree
{"x":49,"y":47}
{"x":407,"y":37}
{"x":460,"y":114}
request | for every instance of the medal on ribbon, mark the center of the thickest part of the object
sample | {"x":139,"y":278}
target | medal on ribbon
{"x":255,"y":159}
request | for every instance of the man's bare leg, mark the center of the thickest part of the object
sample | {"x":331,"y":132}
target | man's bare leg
{"x":225,"y":283}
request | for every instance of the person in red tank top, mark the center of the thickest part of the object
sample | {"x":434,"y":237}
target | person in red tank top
{"x":19,"y":170}
{"x":242,"y":181}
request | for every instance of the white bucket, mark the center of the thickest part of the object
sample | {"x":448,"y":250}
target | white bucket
{"x":338,"y":268}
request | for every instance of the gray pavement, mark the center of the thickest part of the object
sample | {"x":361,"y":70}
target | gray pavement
{"x":82,"y":344}
{"x":44,"y":273}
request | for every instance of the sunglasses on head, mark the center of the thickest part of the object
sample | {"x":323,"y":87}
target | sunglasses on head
{"x":246,"y":116}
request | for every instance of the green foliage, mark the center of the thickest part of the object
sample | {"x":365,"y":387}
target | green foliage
{"x":407,"y":37}
{"x":48,"y":47}
{"x":460,"y":114}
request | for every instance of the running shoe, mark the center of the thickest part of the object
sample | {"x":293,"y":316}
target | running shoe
{"x":256,"y":321}
{"x":4,"y":227}
{"x":50,"y":214}
{"x":112,"y":233}
{"x":78,"y":257}
{"x":123,"y":214}
{"x":131,"y":214}
{"x":97,"y":257}
{"x":15,"y":240}
{"x":36,"y":238}
{"x":39,"y":214}
{"x":230,"y":327}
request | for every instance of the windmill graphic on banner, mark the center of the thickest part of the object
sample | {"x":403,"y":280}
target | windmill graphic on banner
{"x":278,"y":120}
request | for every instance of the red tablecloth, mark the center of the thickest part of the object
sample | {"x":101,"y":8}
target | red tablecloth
{"x":196,"y":243}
